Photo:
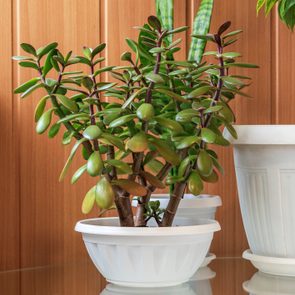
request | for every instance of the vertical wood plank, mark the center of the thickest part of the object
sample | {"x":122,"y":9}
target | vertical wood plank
{"x":49,"y":209}
{"x":9,"y":198}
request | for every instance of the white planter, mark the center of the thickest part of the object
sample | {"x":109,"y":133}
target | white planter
{"x":147,"y":257}
{"x":265,"y":167}
{"x":195,"y":207}
{"x":265,"y":284}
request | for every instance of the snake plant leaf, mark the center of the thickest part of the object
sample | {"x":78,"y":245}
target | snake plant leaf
{"x":44,"y":121}
{"x":208,"y":135}
{"x":166,"y":152}
{"x":201,"y":26}
{"x":26,"y":86}
{"x":78,"y":174}
{"x":124,"y":167}
{"x":165,"y":13}
{"x":174,"y":126}
{"x":195,"y":183}
{"x":40,"y":107}
{"x":44,"y":50}
{"x":131,"y":187}
{"x":89,"y":201}
{"x":104,"y":194}
{"x":94,"y":164}
{"x":70,"y":158}
{"x":122,"y":120}
{"x":153,"y":180}
{"x":67,"y":103}
{"x":92,"y":132}
{"x":53,"y":130}
{"x":171,"y":94}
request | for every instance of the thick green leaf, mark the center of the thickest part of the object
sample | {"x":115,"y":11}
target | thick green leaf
{"x":98,"y":49}
{"x":28,"y":48}
{"x":92,"y":132}
{"x":40,"y":108}
{"x":186,"y":115}
{"x":166,"y":152}
{"x":48,"y":62}
{"x":89,"y":201}
{"x":44,"y":121}
{"x":104,"y":194}
{"x":25,"y":86}
{"x":94,"y":164}
{"x":208,"y":135}
{"x":78,"y":174}
{"x":170,"y":124}
{"x":67,"y":103}
{"x":28,"y":64}
{"x":83,"y":117}
{"x":70,"y":158}
{"x":186,"y":142}
{"x":53,"y":130}
{"x":42,"y":51}
{"x":122,"y":120}
{"x":153,"y":180}
{"x":199,"y":91}
{"x":133,"y":96}
{"x":171,"y":94}
{"x":155,"y":78}
{"x":112,"y":140}
{"x":201,"y":26}
{"x":124,"y":167}
{"x":30,"y":90}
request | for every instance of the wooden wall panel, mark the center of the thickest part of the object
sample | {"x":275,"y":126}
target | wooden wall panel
{"x":49,"y":209}
{"x":9,"y":201}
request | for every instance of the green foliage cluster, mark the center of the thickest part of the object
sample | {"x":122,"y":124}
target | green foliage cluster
{"x":286,"y":10}
{"x":160,"y":115}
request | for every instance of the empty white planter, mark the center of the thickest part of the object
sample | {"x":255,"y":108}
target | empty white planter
{"x":264,"y":158}
{"x":150,"y":256}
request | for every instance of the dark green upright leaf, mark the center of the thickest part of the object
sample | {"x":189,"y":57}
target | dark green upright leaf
{"x":201,"y":26}
{"x":165,"y":13}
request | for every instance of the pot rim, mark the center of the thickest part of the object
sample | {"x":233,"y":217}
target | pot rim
{"x":262,"y":135}
{"x":189,"y":201}
{"x":99,"y":226}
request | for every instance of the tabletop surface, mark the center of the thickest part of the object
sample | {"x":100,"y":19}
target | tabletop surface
{"x":224,"y":276}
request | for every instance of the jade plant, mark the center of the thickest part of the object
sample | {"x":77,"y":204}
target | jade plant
{"x":155,"y":126}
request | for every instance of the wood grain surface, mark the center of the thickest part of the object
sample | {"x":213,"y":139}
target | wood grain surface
{"x":38,"y":212}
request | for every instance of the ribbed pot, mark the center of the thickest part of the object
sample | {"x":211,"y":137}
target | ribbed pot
{"x":150,"y":256}
{"x":264,"y":158}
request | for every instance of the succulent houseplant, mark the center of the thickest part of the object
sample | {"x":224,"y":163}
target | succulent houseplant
{"x":156,"y":125}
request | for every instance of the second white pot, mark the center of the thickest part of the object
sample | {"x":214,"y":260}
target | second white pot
{"x":265,"y":167}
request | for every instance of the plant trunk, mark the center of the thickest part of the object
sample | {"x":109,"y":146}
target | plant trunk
{"x":124,"y":208}
{"x":173,"y":204}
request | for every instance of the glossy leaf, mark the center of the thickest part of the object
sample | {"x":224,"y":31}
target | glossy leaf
{"x":124,"y":167}
{"x":27,"y":85}
{"x":94,"y":164}
{"x":92,"y":132}
{"x":78,"y":174}
{"x":89,"y":200}
{"x":174,"y":126}
{"x":44,"y":121}
{"x":122,"y":120}
{"x":208,"y":135}
{"x":40,"y":107}
{"x":54,"y":129}
{"x":153,"y":180}
{"x":104,"y":194}
{"x":67,"y":103}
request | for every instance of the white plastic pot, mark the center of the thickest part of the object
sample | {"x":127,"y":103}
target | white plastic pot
{"x":195,"y":207}
{"x":265,"y":284}
{"x":150,"y":256}
{"x":264,"y":158}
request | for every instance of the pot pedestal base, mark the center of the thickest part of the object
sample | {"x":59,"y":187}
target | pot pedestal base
{"x":272,"y":265}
